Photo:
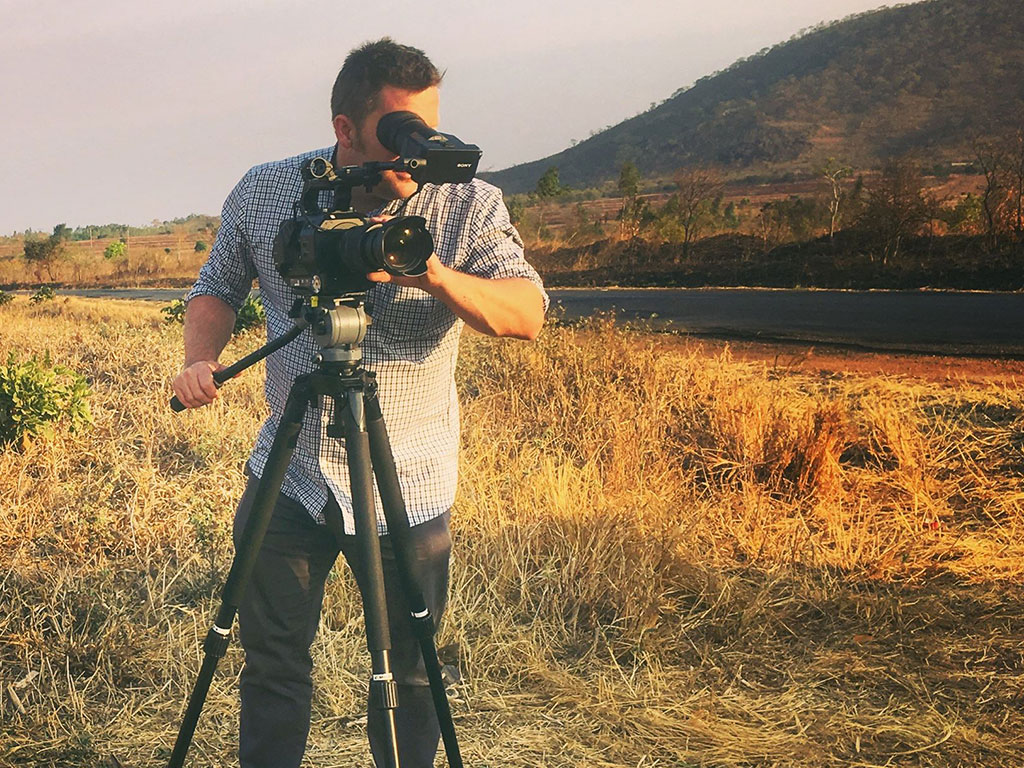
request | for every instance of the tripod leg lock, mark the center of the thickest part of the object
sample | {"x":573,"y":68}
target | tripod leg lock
{"x":423,"y":625}
{"x":216,"y":643}
{"x":383,"y":692}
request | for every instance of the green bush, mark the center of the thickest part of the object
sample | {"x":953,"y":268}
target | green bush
{"x":200,"y":246}
{"x":5,"y":297}
{"x":250,"y":315}
{"x":175,"y":311}
{"x":35,"y":395}
{"x":115,"y":250}
{"x":45,"y":293}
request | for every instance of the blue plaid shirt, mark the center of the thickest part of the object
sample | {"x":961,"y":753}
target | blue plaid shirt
{"x":411,"y":345}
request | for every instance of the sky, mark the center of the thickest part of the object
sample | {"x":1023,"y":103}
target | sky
{"x":127,"y":111}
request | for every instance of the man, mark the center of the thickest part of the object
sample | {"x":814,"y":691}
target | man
{"x":477,"y":276}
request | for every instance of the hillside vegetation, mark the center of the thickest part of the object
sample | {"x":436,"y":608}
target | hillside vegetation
{"x":892,"y":229}
{"x":928,"y":77}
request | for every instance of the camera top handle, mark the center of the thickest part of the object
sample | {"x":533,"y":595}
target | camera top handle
{"x":319,"y":175}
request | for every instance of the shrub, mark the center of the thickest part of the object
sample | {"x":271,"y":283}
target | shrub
{"x":174,"y":312}
{"x":35,"y":395}
{"x":250,"y":315}
{"x":115,"y":251}
{"x":45,"y":293}
{"x":200,"y":246}
{"x":5,"y":297}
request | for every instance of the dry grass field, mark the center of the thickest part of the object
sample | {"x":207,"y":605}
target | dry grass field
{"x":665,"y":555}
{"x":150,"y":260}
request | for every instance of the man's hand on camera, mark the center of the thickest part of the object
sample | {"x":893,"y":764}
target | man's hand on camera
{"x":195,"y":386}
{"x":496,"y":307}
{"x":428,"y":281}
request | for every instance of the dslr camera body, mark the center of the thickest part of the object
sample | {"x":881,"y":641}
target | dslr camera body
{"x":328,"y":252}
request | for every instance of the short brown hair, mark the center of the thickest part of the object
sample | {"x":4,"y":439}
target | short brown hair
{"x":370,"y":67}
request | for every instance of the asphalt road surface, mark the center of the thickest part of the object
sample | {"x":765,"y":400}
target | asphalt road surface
{"x":946,"y":322}
{"x":918,"y":321}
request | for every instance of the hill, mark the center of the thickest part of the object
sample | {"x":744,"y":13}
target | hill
{"x":927,"y":77}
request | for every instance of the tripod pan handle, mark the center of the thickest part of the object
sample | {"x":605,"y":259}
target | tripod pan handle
{"x":219,"y":377}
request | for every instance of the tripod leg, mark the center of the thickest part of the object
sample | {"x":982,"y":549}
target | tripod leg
{"x":216,"y":643}
{"x":398,"y":529}
{"x":383,"y":690}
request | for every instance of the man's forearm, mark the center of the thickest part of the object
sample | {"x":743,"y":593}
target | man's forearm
{"x":502,"y":307}
{"x":208,"y":325}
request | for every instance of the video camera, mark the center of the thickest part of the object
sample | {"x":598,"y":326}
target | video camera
{"x":329,"y":252}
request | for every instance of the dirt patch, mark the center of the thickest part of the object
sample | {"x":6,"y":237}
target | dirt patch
{"x":824,"y":360}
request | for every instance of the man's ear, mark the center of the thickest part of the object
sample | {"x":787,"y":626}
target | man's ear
{"x":344,"y":131}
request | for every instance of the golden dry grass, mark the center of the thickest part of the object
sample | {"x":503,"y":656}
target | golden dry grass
{"x":151,"y":260}
{"x":661,"y":559}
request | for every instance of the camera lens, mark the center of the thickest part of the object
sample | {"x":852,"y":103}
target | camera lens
{"x":400,"y":246}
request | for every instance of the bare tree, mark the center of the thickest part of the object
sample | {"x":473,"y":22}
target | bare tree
{"x":896,"y":207}
{"x":698,"y":189}
{"x":1016,"y":181}
{"x":770,"y":226}
{"x":833,"y":173}
{"x":991,"y":159}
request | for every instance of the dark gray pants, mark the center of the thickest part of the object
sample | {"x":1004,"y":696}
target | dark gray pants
{"x":278,"y":620}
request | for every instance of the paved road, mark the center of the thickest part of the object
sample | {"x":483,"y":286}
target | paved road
{"x":948,"y":322}
{"x":921,"y":321}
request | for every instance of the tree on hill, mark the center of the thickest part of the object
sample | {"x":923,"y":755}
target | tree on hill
{"x":548,"y":185}
{"x":629,"y":180}
{"x":61,"y":232}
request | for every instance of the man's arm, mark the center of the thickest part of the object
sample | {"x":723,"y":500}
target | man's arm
{"x":224,"y":282}
{"x":208,"y":325}
{"x":500,"y":307}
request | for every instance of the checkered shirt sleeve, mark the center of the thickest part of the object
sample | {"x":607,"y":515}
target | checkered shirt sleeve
{"x":229,"y":271}
{"x":496,"y":249}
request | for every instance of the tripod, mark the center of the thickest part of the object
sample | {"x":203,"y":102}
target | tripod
{"x":338,"y":327}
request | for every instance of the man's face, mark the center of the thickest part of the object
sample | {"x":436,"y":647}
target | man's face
{"x":358,"y":144}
